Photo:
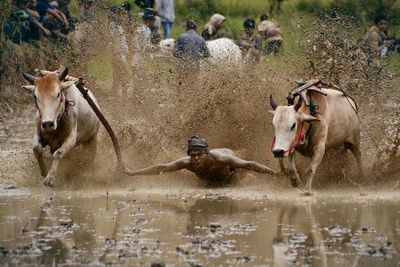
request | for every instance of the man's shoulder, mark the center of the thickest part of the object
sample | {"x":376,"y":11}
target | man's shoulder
{"x":221,"y":152}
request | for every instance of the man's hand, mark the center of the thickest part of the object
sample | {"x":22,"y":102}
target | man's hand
{"x":125,"y":170}
{"x":46,"y":32}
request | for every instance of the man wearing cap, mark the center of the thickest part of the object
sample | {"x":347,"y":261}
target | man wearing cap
{"x":213,"y":165}
{"x":250,"y":43}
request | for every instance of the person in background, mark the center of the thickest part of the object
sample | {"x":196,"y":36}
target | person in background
{"x":264,"y":19}
{"x":374,"y":43}
{"x":84,"y":7}
{"x":48,"y":12}
{"x":273,"y":37}
{"x":250,"y":43}
{"x":145,"y":38}
{"x":190,"y":47}
{"x":166,"y":11}
{"x":18,"y":27}
{"x":211,"y":30}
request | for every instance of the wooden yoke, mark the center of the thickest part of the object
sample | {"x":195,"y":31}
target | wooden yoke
{"x":313,"y":85}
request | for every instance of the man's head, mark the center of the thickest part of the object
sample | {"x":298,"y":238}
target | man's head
{"x":191,"y":25}
{"x":197,"y":150}
{"x":249,"y":26}
{"x":381,"y":22}
{"x":263,"y":17}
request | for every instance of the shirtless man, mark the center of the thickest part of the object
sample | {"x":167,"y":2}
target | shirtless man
{"x":212,"y":165}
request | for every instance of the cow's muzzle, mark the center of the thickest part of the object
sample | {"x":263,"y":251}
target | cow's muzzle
{"x":278,"y":153}
{"x":48,"y":125}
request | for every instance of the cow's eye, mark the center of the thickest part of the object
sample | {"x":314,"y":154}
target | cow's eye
{"x":293,"y":126}
{"x":58,"y":95}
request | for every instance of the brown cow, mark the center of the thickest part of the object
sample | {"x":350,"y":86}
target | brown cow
{"x":64,"y":119}
{"x":335,"y":125}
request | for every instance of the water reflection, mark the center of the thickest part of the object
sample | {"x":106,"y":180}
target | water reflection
{"x":205,"y":230}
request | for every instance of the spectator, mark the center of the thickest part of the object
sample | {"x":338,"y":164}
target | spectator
{"x":85,"y":6}
{"x":52,"y":18}
{"x":166,"y":11}
{"x":275,"y":7}
{"x":212,"y":27}
{"x":19,"y":27}
{"x":190,"y":47}
{"x":145,"y":38}
{"x":250,"y":43}
{"x":264,"y":19}
{"x":374,"y":43}
{"x":272,"y":35}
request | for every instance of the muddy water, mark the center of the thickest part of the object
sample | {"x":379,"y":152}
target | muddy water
{"x":200,"y":228}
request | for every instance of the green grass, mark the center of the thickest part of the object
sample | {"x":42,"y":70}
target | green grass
{"x":100,"y":67}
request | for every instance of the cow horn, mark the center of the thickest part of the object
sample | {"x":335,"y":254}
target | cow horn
{"x":30,"y":78}
{"x":290,"y":99}
{"x":298,"y":104}
{"x":63,"y":74}
{"x":273,"y":103}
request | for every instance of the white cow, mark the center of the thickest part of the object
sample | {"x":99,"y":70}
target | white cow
{"x":64,"y":118}
{"x":223,"y":52}
{"x":335,"y":125}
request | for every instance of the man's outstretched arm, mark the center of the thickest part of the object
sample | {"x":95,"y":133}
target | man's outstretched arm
{"x":161,"y":168}
{"x":239,"y":163}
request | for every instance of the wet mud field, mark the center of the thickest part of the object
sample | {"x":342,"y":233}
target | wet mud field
{"x":198,"y":228}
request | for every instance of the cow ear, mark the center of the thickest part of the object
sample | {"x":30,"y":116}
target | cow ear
{"x":308,"y":118}
{"x":66,"y":85}
{"x":29,"y":88}
{"x":272,"y":112}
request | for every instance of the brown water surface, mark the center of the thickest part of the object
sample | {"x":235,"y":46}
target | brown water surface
{"x":198,"y":228}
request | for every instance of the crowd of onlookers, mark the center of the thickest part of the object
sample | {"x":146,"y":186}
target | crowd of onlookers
{"x":35,"y":19}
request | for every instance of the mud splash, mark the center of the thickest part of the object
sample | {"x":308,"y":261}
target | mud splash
{"x":202,"y":228}
{"x":154,"y":110}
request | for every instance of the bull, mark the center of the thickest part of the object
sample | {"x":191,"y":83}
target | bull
{"x":64,"y":119}
{"x":335,"y":125}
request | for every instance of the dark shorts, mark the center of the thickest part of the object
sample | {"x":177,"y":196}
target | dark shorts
{"x":273,"y":47}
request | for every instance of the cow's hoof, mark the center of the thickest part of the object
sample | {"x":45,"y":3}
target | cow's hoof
{"x":307,"y":193}
{"x":49,"y":182}
{"x":294,"y":182}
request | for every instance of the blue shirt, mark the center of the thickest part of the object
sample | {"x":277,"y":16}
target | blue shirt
{"x":42,"y":7}
{"x":190,"y":45}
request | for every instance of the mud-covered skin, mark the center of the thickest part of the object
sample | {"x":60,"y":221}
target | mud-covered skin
{"x":217,"y":164}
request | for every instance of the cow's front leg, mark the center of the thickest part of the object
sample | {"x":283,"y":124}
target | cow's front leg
{"x":57,"y":155}
{"x":293,"y":173}
{"x":319,"y":153}
{"x":38,"y":152}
